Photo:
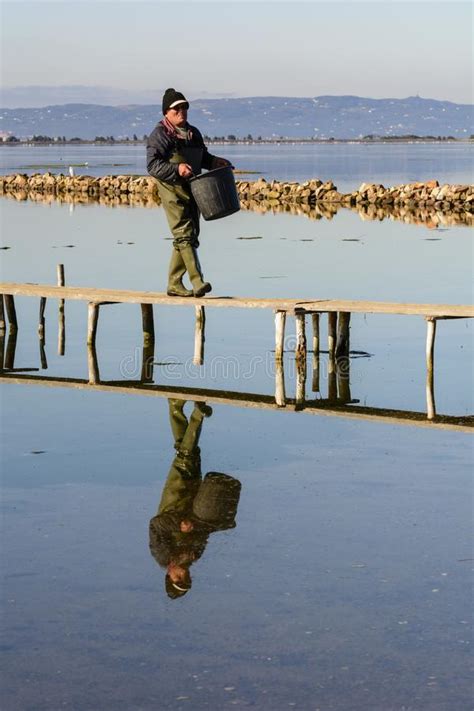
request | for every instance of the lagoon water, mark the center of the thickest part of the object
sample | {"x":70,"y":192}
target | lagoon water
{"x":347,"y":164}
{"x":346,"y":580}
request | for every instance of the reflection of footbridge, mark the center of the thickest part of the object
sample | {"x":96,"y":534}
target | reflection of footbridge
{"x":431,"y":217}
{"x":338,"y":401}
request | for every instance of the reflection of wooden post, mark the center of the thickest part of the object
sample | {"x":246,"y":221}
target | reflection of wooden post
{"x":280,"y":321}
{"x":430,"y":342}
{"x":42,"y":333}
{"x":315,"y":322}
{"x":44,"y":360}
{"x":2,"y":349}
{"x":343,"y":378}
{"x":148,"y":356}
{"x":300,"y":352}
{"x":315,"y":382}
{"x":92,"y":319}
{"x":11,"y":348}
{"x":199,"y":336}
{"x":280,"y":395}
{"x":61,"y":314}
{"x":300,"y":357}
{"x":11,"y":312}
{"x":148,"y":323}
{"x":332,"y":327}
{"x":41,"y":317}
{"x":332,"y":378}
{"x":300,"y":381}
{"x":342,"y":341}
{"x":2,"y":315}
{"x":93,"y":364}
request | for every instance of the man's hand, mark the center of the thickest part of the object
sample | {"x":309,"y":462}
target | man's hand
{"x":185,"y":170}
{"x":221,"y":163}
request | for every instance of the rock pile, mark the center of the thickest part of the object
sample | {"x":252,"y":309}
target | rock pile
{"x":428,"y":194}
{"x":124,"y":188}
{"x":428,"y":216}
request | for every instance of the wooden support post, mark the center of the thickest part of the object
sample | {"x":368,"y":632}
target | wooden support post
{"x":60,"y":274}
{"x":61,"y":314}
{"x":342,"y":341}
{"x":11,"y":312}
{"x":11,"y":349}
{"x":300,"y":351}
{"x":148,"y":323}
{"x":280,"y":395}
{"x":280,"y":322}
{"x":92,"y":319}
{"x":332,"y":329}
{"x":300,"y":358}
{"x":2,"y":316}
{"x":199,"y":335}
{"x":430,"y":343}
{"x":93,"y":364}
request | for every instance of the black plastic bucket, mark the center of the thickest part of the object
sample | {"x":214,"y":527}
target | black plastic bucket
{"x":217,"y":500}
{"x":215,"y":193}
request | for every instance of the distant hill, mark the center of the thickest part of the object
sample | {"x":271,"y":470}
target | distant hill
{"x":269,"y":117}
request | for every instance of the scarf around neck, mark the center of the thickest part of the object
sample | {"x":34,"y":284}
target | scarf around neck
{"x":176,"y":132}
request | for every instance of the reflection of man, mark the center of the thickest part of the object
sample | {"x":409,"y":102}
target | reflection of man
{"x":190,"y":508}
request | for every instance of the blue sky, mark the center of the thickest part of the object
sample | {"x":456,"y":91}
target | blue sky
{"x":377,"y":49}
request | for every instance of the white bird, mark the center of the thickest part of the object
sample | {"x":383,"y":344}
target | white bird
{"x":71,"y":171}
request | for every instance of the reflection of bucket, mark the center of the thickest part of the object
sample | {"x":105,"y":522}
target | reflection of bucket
{"x":215,"y":193}
{"x":217,"y":500}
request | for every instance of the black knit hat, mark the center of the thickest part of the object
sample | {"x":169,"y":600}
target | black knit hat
{"x":173,"y":98}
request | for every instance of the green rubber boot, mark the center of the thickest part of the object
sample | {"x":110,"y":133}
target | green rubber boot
{"x":177,"y":270}
{"x":191,"y":260}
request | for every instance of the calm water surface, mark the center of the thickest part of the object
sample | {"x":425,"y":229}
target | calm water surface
{"x":348,"y":165}
{"x":338,"y":576}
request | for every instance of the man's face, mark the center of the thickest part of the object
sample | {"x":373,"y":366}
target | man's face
{"x":178,"y":116}
{"x":177,"y":573}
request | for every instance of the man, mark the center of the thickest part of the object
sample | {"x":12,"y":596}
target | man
{"x":175,"y":153}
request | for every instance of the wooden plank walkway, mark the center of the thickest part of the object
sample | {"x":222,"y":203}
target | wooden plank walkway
{"x":338,"y":316}
{"x":122,"y":296}
{"x":252,"y":400}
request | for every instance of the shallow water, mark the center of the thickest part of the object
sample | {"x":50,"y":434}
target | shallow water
{"x":346,"y":581}
{"x":348,"y":165}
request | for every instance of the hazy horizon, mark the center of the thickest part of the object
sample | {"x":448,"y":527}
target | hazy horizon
{"x":389,"y":49}
{"x":43,"y":96}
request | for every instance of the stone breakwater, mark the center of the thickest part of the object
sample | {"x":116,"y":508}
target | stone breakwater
{"x":427,"y":216}
{"x":427,"y":194}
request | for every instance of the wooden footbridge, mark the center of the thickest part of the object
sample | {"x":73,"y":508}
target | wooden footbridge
{"x":338,"y":312}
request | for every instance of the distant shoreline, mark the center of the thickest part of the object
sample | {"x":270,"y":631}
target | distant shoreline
{"x":244,"y":142}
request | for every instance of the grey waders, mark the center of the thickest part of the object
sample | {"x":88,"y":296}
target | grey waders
{"x":177,"y":270}
{"x":191,"y":261}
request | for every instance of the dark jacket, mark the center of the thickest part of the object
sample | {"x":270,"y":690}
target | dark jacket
{"x":161,"y":146}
